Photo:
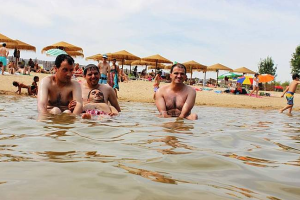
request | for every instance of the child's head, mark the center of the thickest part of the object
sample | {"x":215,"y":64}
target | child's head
{"x":36,"y":79}
{"x":15,"y":83}
{"x":256,"y":75}
{"x":295,"y":76}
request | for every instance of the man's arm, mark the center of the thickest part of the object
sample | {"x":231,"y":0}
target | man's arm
{"x":43,"y":95}
{"x":113,"y":99}
{"x":160,"y":103}
{"x":77,"y":96}
{"x":189,"y":103}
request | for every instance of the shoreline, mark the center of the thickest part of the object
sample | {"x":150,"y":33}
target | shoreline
{"x":142,"y":91}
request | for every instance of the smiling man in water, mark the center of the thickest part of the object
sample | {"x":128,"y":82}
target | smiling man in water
{"x":176,"y":99}
{"x":57,"y":91}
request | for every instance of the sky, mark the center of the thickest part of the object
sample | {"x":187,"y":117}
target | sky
{"x":235,"y":33}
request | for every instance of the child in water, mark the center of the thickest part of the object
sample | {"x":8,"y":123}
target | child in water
{"x":290,"y":91}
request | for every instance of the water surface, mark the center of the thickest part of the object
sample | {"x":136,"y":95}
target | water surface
{"x":227,"y":154}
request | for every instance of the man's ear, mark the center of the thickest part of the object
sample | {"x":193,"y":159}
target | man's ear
{"x":55,"y":68}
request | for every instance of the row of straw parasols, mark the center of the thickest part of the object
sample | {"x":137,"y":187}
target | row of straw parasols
{"x":124,"y":57}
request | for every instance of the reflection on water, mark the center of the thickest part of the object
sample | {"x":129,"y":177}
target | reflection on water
{"x":226,"y":154}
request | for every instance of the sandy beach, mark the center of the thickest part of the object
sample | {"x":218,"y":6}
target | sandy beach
{"x":142,"y":91}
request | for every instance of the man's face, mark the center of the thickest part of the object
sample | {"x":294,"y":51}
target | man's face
{"x":178,"y":75}
{"x":104,"y":60}
{"x":92,"y":77}
{"x":96,"y":96}
{"x":64,"y":72}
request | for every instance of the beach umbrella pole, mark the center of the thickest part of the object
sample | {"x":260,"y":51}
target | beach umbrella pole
{"x":204,"y":80}
{"x":217,"y":77}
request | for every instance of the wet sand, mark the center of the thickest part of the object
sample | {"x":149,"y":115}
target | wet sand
{"x":142,"y":91}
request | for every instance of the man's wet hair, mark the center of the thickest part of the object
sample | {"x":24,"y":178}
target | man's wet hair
{"x":90,"y":66}
{"x":295,"y":75}
{"x":62,"y":57}
{"x":35,"y":78}
{"x":15,"y":83}
{"x":1,"y":62}
{"x":4,"y":44}
{"x":179,"y":66}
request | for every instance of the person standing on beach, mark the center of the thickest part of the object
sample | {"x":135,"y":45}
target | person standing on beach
{"x":3,"y":56}
{"x":91,"y":74}
{"x":114,"y":76}
{"x":255,"y":85}
{"x":156,"y":83}
{"x":57,"y":91}
{"x":105,"y":70}
{"x":290,"y":91}
{"x":176,"y":99}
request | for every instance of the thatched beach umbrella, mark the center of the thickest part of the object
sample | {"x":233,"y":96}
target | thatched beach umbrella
{"x":96,"y":57}
{"x":75,"y":54}
{"x":217,"y":67}
{"x":190,"y":65}
{"x":17,"y":44}
{"x":244,"y":70}
{"x":63,"y":46}
{"x":142,"y":62}
{"x":159,"y":66}
{"x":4,"y":38}
{"x":124,"y":55}
{"x":157,"y":59}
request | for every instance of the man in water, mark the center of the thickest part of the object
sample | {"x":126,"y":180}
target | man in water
{"x":91,"y":74}
{"x":96,"y":106}
{"x":57,"y":91}
{"x":104,"y":70}
{"x":176,"y":99}
{"x":3,"y":56}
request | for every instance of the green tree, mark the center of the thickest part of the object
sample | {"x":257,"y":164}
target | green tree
{"x":266,"y":66}
{"x":286,"y":83}
{"x":295,"y":61}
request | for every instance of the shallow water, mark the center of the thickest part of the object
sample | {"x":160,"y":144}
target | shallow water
{"x":227,"y":154}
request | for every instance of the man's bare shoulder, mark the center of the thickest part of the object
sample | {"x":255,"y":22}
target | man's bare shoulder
{"x":47,"y":79}
{"x":105,"y":87}
{"x":190,"y":88}
{"x":75,"y":83}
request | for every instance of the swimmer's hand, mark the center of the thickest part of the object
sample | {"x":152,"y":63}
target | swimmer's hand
{"x":86,"y":116}
{"x":72,"y":105}
{"x":112,"y":114}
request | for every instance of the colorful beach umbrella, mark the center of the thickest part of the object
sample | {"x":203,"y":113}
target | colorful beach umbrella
{"x":264,"y":78}
{"x":229,"y":75}
{"x":245,"y":80}
{"x":55,"y":52}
